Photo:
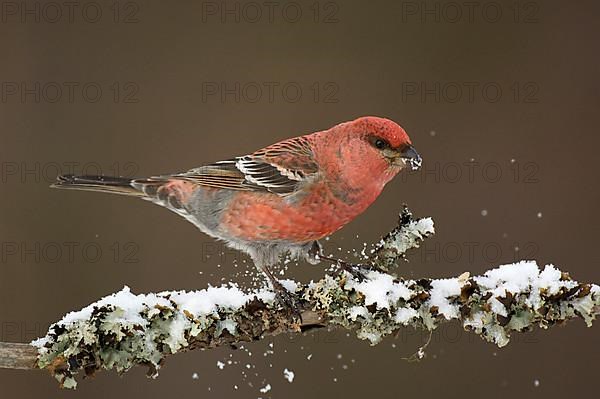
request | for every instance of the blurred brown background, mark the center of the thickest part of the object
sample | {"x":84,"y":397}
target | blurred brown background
{"x":500,"y":98}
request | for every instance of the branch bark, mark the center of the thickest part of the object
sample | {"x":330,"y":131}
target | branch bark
{"x":124,"y":329}
{"x":17,"y":356}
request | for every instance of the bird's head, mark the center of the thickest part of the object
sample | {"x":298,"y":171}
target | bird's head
{"x":382,"y":140}
{"x":366,"y":151}
{"x":372,"y":146}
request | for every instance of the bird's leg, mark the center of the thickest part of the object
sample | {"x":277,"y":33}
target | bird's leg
{"x":286,"y":298}
{"x":314,"y":253}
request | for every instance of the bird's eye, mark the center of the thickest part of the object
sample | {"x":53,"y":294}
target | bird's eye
{"x":380,"y":144}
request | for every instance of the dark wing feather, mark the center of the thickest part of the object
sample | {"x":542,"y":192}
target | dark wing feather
{"x":280,"y":168}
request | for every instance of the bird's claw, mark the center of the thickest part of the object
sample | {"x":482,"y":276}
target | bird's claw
{"x":289,"y":301}
{"x":354,"y":270}
{"x":357,"y":271}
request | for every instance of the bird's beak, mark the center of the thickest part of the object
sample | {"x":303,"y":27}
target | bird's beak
{"x":408,"y":156}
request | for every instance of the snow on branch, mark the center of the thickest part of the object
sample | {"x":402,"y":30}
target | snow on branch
{"x":125,"y":329}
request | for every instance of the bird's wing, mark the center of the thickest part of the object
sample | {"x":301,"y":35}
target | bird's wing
{"x":279,"y":168}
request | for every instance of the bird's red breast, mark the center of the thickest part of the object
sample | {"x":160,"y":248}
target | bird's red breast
{"x":253,"y":216}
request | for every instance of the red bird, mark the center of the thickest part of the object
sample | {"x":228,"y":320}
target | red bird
{"x":282,"y":198}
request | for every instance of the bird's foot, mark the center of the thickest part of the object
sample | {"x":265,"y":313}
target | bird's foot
{"x":356,"y":271}
{"x":289,"y":301}
{"x":291,"y":304}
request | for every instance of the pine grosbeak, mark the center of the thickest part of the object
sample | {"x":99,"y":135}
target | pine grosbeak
{"x":282,"y":198}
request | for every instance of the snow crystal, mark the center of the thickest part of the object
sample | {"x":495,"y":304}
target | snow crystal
{"x":266,"y":388}
{"x":130,"y":303}
{"x":522,"y":276}
{"x":289,"y":285}
{"x":176,"y":339}
{"x":441,"y":290}
{"x":380,"y":289}
{"x":227,"y":324}
{"x":423,"y":226}
{"x":288,"y":375}
{"x":356,"y":311}
{"x":514,"y":277}
{"x":405,"y":315}
{"x":206,"y":301}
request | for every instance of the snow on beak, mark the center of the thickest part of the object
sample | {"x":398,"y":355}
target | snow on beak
{"x":411,"y":157}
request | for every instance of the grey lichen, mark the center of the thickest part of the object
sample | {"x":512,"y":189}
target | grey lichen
{"x":407,"y":235}
{"x":125,"y":330}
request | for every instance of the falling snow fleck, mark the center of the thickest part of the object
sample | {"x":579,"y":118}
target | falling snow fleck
{"x":220,"y":365}
{"x":536,"y":383}
{"x":484,"y":212}
{"x":265,"y":389}
{"x":539,"y":215}
{"x":288,"y":375}
{"x":195,"y":376}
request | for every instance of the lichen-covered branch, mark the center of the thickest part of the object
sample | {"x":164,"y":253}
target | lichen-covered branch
{"x":125,"y":329}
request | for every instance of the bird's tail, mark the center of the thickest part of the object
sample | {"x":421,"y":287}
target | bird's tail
{"x":163,"y":190}
{"x":105,"y":184}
